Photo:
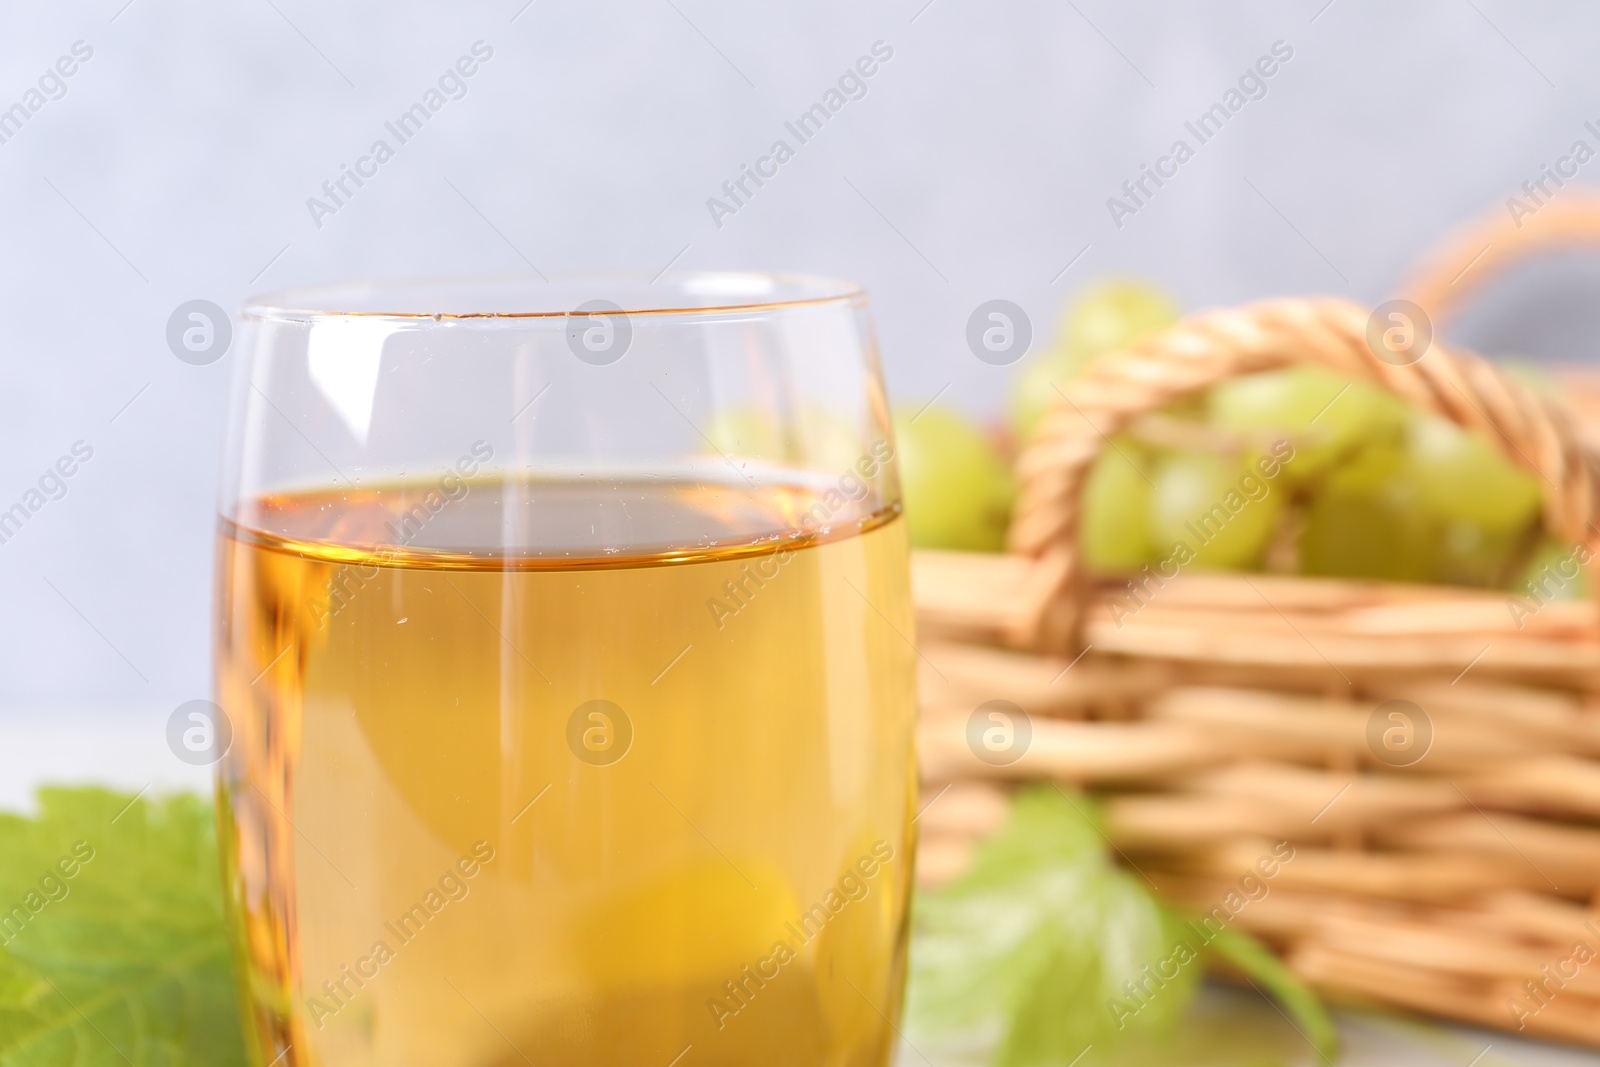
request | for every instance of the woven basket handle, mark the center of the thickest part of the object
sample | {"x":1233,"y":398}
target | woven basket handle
{"x":1192,"y":356}
{"x":1496,"y":242}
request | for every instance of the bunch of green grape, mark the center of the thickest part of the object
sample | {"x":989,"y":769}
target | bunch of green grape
{"x":1298,"y":470}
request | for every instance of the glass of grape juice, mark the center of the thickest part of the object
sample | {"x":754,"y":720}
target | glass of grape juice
{"x":564,"y":631}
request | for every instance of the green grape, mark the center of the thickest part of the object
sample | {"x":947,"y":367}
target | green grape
{"x":1105,"y":317}
{"x":829,"y":440}
{"x":1461,"y":475}
{"x":1365,"y":521}
{"x":1036,"y":390}
{"x":1113,"y":530}
{"x":957,"y":489}
{"x":1553,"y":572}
{"x":1468,"y":554}
{"x":815,"y":438}
{"x":1222,"y":510}
{"x":1323,"y":413}
{"x":1113,"y":314}
{"x":744,"y":431}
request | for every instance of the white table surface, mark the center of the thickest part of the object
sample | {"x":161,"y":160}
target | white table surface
{"x":1368,"y":1039}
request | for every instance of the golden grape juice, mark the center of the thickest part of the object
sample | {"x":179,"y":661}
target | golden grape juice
{"x":568,"y":804}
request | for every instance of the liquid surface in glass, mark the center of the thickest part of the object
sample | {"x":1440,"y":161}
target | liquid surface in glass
{"x":574,"y":804}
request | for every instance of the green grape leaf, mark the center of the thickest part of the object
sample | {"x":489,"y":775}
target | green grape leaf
{"x":113,"y":946}
{"x":1262,"y":968}
{"x":1034,"y":944}
{"x":1052,"y":953}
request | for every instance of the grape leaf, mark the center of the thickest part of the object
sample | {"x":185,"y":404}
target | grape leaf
{"x":1046,"y":949}
{"x":125,"y":960}
{"x":1304,"y":1009}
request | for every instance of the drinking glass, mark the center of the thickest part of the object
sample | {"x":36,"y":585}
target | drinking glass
{"x":564,"y":633}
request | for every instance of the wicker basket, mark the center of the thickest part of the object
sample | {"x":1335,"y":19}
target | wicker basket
{"x":1446,"y":861}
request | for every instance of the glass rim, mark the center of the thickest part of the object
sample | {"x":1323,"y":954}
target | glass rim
{"x":723,"y":292}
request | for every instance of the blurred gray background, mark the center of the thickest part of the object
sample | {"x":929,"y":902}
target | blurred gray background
{"x":178,"y":159}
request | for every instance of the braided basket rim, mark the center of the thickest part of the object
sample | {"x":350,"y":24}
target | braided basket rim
{"x":1537,"y":432}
